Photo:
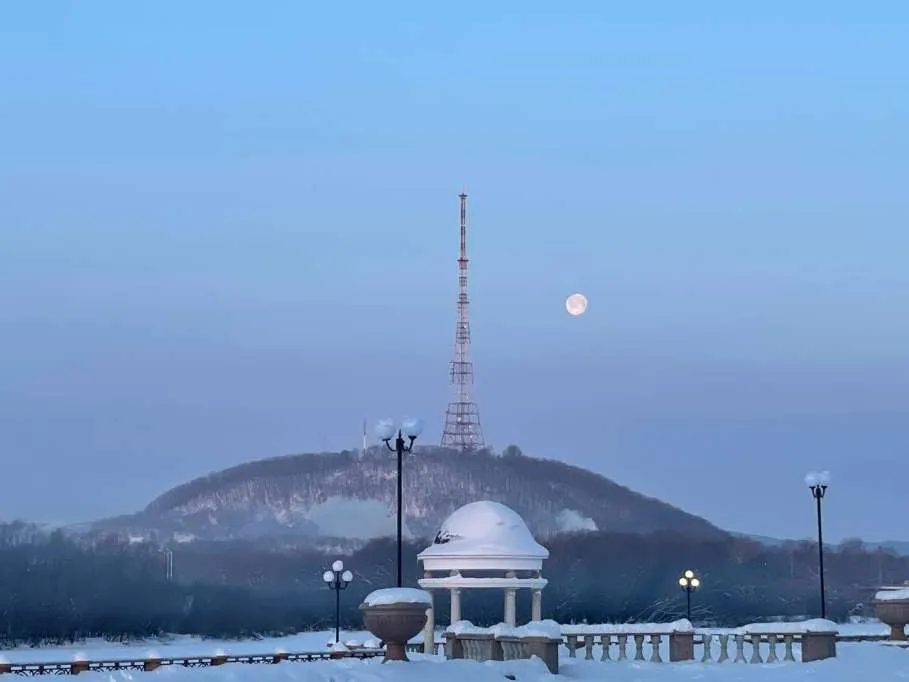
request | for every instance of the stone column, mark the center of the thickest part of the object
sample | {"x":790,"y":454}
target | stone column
{"x":510,"y":606}
{"x":510,"y":601}
{"x":536,"y":605}
{"x":455,"y":604}
{"x":429,"y":630}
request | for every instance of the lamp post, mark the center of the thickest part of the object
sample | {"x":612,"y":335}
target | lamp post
{"x":385,"y":430}
{"x":689,"y":582}
{"x":817,"y":484}
{"x":337,"y":579}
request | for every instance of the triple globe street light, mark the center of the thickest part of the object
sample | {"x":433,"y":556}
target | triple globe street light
{"x":386,"y":430}
{"x":689,"y":582}
{"x":337,"y":579}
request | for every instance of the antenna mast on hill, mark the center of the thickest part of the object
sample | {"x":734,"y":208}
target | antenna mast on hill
{"x":462,"y":430}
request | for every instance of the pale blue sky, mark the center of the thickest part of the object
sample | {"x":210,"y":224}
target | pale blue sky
{"x":228,"y":231}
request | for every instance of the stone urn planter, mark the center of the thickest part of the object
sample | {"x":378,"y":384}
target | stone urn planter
{"x":892,"y":608}
{"x":395,"y":615}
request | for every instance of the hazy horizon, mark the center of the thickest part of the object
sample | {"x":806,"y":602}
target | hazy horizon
{"x":231,"y":233}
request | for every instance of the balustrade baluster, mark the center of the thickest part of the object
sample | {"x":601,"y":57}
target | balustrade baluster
{"x":623,"y":643}
{"x":787,"y":641}
{"x":706,"y":639}
{"x":740,"y":649}
{"x":605,"y":640}
{"x":639,"y":647}
{"x":724,"y":649}
{"x":572,"y":646}
{"x":655,"y":649}
{"x":588,"y":647}
{"x":756,"y":649}
{"x":771,"y":655}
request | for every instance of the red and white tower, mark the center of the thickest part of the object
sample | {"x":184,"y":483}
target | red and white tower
{"x":462,"y":430}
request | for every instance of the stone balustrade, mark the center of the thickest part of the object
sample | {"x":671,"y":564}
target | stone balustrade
{"x":675,"y":642}
{"x":505,"y":643}
{"x":719,"y":648}
{"x":759,"y":643}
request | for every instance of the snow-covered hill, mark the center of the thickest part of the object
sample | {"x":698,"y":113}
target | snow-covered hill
{"x":348,"y":497}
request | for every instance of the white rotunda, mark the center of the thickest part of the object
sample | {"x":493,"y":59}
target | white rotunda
{"x":484,"y":545}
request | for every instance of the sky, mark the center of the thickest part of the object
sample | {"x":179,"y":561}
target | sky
{"x":229,"y":231}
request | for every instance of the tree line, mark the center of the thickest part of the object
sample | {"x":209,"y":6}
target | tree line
{"x":57,"y":588}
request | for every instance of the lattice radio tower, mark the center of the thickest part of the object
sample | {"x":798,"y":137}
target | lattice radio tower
{"x":462,"y":429}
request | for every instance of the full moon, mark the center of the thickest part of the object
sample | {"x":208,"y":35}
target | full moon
{"x":576,"y":304}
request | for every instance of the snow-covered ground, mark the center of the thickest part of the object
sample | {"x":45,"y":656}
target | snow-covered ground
{"x":855,"y":662}
{"x":177,"y":646}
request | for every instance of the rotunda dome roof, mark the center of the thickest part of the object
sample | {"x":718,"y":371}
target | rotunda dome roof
{"x":484,"y":529}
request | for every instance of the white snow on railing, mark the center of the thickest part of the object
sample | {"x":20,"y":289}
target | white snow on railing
{"x":682,"y":625}
{"x":800,"y":628}
{"x":540,"y":628}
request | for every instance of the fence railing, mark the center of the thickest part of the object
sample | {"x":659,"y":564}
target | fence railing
{"x":438,"y":647}
{"x":149,"y":664}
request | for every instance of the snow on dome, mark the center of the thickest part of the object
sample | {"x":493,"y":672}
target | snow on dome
{"x":486,"y":530}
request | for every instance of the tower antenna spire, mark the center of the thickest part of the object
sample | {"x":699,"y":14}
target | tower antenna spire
{"x":462,"y":430}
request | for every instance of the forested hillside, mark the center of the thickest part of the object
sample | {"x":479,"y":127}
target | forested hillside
{"x":52,"y":589}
